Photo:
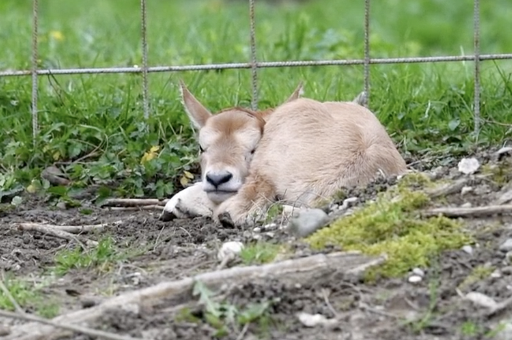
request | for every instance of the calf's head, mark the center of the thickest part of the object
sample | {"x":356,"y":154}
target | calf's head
{"x":227,"y":141}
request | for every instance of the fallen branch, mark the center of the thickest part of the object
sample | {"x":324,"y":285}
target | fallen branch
{"x":469,"y":212}
{"x":296,"y":270}
{"x":141,"y":207}
{"x":55,"y":232}
{"x":74,"y":229}
{"x":73,"y":328}
{"x":447,"y":189}
{"x":133,"y":202}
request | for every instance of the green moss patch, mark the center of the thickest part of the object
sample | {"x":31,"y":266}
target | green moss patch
{"x":392,"y":225}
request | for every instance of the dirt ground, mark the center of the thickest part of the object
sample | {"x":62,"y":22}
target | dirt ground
{"x":184,"y":248}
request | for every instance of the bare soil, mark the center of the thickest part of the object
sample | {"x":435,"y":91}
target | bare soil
{"x":184,"y":248}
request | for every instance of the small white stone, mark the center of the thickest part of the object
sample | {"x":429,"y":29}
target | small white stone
{"x":496,"y":274}
{"x":230,"y":248}
{"x":467,"y":249}
{"x":270,"y":226}
{"x":257,"y":230}
{"x":466,"y":190}
{"x":415,"y":279}
{"x":418,"y":271}
{"x":481,"y":299}
{"x":469,"y":165}
{"x":507,"y":245}
{"x":270,"y":234}
{"x":466,"y":205}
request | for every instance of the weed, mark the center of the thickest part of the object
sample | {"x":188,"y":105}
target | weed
{"x":101,"y":257}
{"x":259,"y":253}
{"x":28,"y":296}
{"x":477,"y":274}
{"x":223,"y":316}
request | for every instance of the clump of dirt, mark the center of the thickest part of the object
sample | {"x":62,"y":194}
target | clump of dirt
{"x":147,"y":251}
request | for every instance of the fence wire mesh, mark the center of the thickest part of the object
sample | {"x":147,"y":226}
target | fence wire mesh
{"x":253,"y":64}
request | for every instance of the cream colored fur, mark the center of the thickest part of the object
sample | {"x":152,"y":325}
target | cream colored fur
{"x":301,"y":152}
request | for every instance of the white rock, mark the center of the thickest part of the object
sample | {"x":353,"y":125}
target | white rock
{"x":307,"y":222}
{"x":257,"y":230}
{"x":469,"y":165}
{"x":466,"y":205}
{"x":496,"y":274}
{"x":481,"y":299}
{"x":466,"y":190}
{"x":415,"y":279}
{"x":507,"y":245}
{"x":467,"y":249}
{"x":310,"y":320}
{"x":270,"y":226}
{"x":290,"y":211}
{"x":418,"y":271}
{"x":230,"y":248}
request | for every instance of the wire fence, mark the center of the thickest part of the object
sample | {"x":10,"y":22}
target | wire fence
{"x":253,"y":64}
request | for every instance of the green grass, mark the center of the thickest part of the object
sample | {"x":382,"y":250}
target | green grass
{"x":101,"y":257}
{"x":29,"y":297}
{"x":98,"y":119}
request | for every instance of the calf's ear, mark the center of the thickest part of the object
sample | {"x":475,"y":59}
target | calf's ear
{"x":196,"y":112}
{"x":299,"y":91}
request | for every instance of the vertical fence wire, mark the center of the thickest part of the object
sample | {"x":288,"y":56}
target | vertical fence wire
{"x":254,"y":65}
{"x":145,"y":91}
{"x":35,"y":124}
{"x":476,"y":40}
{"x":367,"y":53}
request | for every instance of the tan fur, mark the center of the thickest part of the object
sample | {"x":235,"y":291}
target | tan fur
{"x":307,"y":152}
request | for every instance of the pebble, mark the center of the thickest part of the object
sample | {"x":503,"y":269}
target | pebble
{"x":307,"y":222}
{"x":415,"y":279}
{"x":418,"y":272}
{"x":468,"y":165}
{"x":257,"y":230}
{"x":507,"y":245}
{"x":465,"y":190}
{"x":228,"y":248}
{"x":466,"y":205}
{"x":496,"y":274}
{"x":270,"y":226}
{"x":467,"y":249}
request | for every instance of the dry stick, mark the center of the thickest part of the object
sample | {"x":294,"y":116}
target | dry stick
{"x":55,"y":232}
{"x":74,"y":229}
{"x":448,"y":189}
{"x":302,"y":269}
{"x":469,"y":212}
{"x":142,"y":207}
{"x":74,"y":328}
{"x":133,"y":202}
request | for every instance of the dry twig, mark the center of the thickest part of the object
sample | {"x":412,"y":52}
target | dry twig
{"x":74,"y":229}
{"x":133,"y":202}
{"x":140,"y":207}
{"x":470,"y":212}
{"x":55,"y":232}
{"x":301,"y":269}
{"x":73,"y":328}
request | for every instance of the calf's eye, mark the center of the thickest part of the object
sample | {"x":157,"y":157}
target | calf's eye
{"x":252,"y":151}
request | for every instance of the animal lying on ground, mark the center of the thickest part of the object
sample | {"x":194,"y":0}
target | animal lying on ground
{"x":300,"y":153}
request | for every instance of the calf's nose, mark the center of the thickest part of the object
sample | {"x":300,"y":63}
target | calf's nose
{"x":218,"y":178}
